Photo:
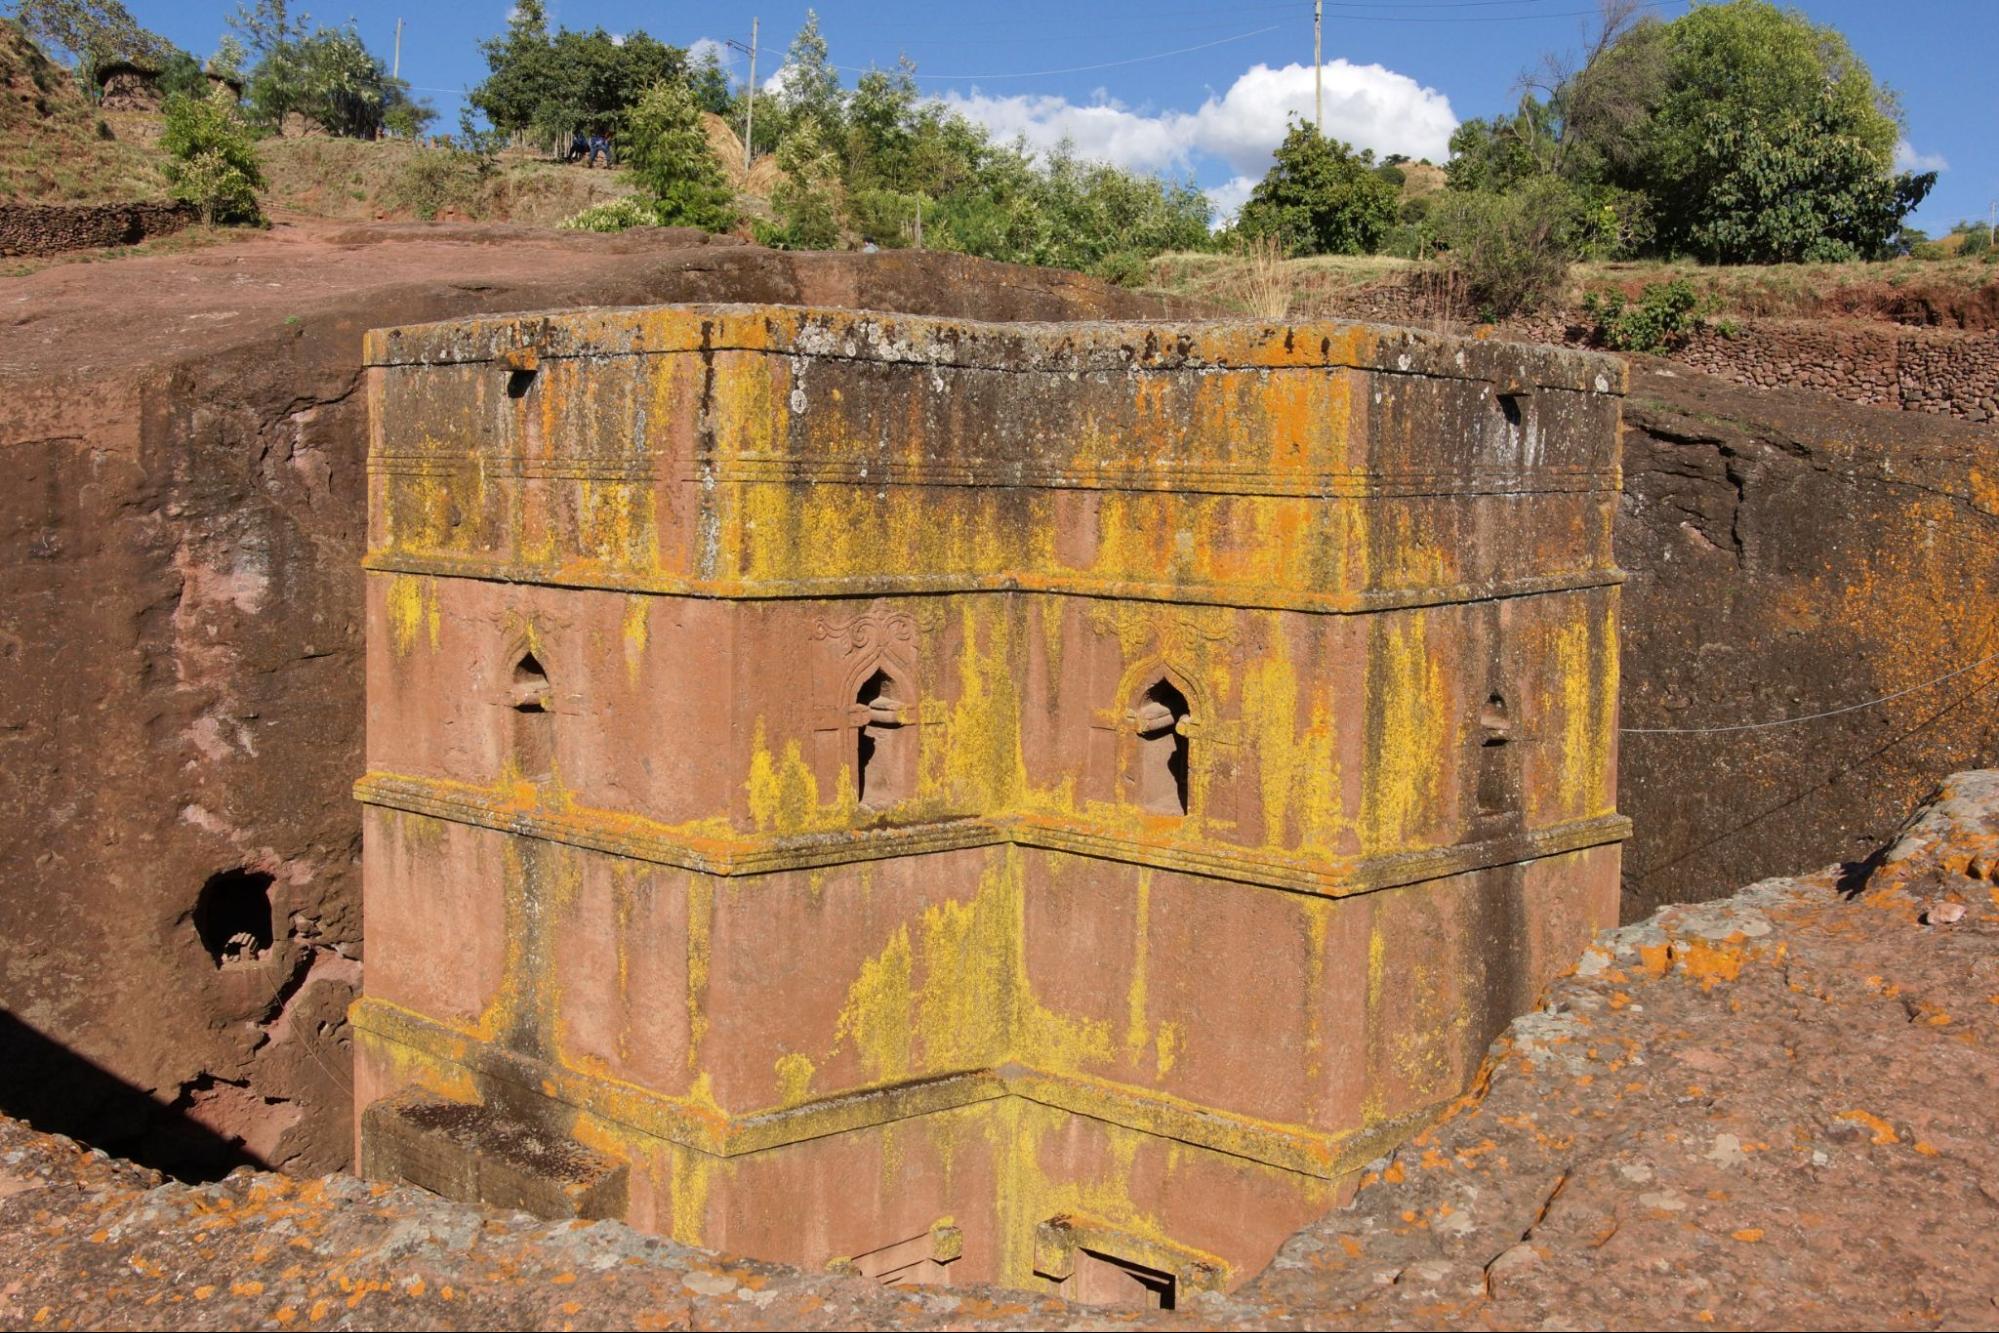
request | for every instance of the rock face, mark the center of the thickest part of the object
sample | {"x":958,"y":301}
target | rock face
{"x":1788,"y":556}
{"x":1779,"y":1110}
{"x":180,"y":626}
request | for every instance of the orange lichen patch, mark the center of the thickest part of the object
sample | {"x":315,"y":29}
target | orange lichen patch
{"x":1394,"y":1174}
{"x":1925,"y":1147}
{"x":1884,"y":1133}
{"x":1711,"y":964}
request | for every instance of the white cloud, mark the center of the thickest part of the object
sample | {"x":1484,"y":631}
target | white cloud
{"x":778,"y":78}
{"x":1908,"y":159}
{"x":1100,"y":131}
{"x":1230,"y":197}
{"x":617,"y":39}
{"x":1366,"y":105}
{"x":701,"y":48}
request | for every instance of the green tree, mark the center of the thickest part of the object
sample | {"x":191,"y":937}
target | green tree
{"x":1789,"y":187}
{"x":1769,"y":140}
{"x":326,"y":76}
{"x":90,"y":32}
{"x":1320,"y":198}
{"x":211,"y":162}
{"x":1498,"y":153}
{"x":806,"y":201}
{"x":520,"y":70}
{"x":666,"y":151}
{"x":809,"y":85}
{"x":710,"y":84}
{"x":553,"y":85}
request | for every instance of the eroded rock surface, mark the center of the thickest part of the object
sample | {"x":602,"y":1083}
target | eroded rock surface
{"x":1790,"y":555}
{"x":1777,"y":1110}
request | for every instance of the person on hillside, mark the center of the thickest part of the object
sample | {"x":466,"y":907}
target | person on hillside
{"x":578,"y":147}
{"x":600,"y":143}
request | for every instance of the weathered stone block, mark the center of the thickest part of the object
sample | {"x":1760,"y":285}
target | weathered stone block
{"x":857,"y":771}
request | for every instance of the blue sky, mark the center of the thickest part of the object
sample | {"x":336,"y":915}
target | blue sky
{"x":1198,"y":89}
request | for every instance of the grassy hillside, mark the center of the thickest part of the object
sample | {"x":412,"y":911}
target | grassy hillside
{"x":53,"y":146}
{"x":356,"y":180}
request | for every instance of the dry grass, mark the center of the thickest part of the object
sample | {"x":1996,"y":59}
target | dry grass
{"x":1252,"y":284}
{"x":1261,"y":286}
{"x":53,"y":146}
{"x":357,"y":180}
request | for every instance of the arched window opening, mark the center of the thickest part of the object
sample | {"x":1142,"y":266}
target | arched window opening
{"x":533,"y":719}
{"x":1161,"y":718}
{"x":1496,"y":785}
{"x":881,"y":767}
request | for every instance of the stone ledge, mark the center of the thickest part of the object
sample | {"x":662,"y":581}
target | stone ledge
{"x":763,"y":854}
{"x":707,"y":1128}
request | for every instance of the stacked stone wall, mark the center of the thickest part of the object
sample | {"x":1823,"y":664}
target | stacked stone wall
{"x":1944,"y":372}
{"x":50,"y":229}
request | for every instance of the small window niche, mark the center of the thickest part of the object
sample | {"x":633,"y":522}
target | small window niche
{"x":884,"y":743}
{"x":1160,"y":719}
{"x":1103,"y":1279}
{"x":531,"y":711}
{"x":920,"y":1261}
{"x":1498,"y":781}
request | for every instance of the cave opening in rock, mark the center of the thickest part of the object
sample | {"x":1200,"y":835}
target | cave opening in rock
{"x":232,"y":915}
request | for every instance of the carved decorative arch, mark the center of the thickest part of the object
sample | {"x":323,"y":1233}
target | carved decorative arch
{"x":526,"y":692}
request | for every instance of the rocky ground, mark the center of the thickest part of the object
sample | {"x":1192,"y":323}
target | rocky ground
{"x":1777,"y":1110}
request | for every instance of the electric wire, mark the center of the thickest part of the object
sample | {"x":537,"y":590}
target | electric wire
{"x":1810,"y":717}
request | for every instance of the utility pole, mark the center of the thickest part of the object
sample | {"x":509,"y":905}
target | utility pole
{"x":1318,"y":95}
{"x":749,"y":94}
{"x":396,"y":70}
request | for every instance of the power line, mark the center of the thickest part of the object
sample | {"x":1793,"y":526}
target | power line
{"x":1081,"y":69}
{"x":1810,"y":717}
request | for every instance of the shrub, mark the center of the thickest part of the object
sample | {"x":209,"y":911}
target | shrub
{"x":1665,"y":315}
{"x":1124,"y":268}
{"x":667,"y":150}
{"x":438,"y":178}
{"x":210,"y":161}
{"x":1508,"y":253}
{"x":615,"y":215}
